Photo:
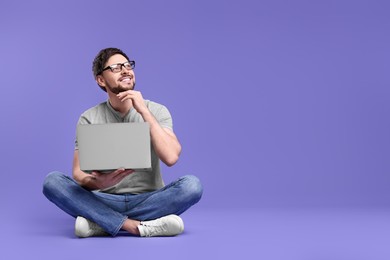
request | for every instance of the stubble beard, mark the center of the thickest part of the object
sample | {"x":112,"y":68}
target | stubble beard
{"x":118,"y":89}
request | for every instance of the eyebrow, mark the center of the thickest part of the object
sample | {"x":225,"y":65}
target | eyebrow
{"x":118,"y":63}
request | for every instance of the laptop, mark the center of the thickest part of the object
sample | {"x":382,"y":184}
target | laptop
{"x":107,"y":147}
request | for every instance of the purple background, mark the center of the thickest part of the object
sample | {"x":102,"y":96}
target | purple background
{"x":281,"y":108}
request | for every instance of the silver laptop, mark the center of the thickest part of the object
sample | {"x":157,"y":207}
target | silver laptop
{"x":107,"y":147}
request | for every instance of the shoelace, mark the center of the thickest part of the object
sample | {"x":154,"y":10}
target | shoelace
{"x":154,"y":228}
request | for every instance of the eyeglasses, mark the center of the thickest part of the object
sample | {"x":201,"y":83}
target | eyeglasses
{"x":115,"y":68}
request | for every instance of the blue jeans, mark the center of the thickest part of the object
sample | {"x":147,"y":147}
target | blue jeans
{"x":110,"y":211}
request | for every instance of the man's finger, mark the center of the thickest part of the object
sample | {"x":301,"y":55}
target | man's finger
{"x":124,"y":94}
{"x":123,"y":174}
{"x":129,"y":171}
{"x":126,"y":172}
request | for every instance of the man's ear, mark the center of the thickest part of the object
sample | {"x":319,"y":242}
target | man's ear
{"x":100,"y":81}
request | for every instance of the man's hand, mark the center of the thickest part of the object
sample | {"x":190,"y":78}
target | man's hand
{"x":136,"y":98}
{"x":105,"y":180}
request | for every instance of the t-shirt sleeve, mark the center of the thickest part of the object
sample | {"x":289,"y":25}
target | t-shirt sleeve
{"x":164,"y":118}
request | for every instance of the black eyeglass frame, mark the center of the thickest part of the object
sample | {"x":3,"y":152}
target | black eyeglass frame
{"x":131,"y":62}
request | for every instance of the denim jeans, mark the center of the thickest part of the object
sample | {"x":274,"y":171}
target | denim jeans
{"x":110,"y":211}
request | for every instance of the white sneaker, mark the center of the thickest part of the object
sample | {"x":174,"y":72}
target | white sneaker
{"x":170,"y":225}
{"x":86,"y":228}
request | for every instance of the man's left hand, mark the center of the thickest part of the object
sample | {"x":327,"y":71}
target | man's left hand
{"x":136,"y":98}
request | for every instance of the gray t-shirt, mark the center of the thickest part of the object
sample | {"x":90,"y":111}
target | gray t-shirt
{"x":137,"y":182}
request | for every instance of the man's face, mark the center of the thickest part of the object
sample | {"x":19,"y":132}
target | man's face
{"x":119,"y":81}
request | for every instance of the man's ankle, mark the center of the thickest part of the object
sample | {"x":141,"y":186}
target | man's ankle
{"x":131,"y":226}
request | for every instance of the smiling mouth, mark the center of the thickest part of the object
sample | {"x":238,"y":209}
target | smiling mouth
{"x":125,"y":79}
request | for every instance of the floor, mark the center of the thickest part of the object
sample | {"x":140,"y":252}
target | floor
{"x":288,"y":234}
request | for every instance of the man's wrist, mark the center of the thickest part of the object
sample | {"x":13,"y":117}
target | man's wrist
{"x":147,"y":115}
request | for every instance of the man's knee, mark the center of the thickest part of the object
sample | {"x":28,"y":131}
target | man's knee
{"x":192,"y":187}
{"x":52,"y":182}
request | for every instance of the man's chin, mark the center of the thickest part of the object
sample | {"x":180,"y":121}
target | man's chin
{"x":118,"y":90}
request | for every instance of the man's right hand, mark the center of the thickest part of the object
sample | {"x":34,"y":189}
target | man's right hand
{"x":105,"y":180}
{"x":97,"y":180}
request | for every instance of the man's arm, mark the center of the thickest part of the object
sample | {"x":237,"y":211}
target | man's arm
{"x":96,"y":180}
{"x":164,"y":140}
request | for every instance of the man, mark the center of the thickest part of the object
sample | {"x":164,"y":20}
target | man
{"x":136,"y":202}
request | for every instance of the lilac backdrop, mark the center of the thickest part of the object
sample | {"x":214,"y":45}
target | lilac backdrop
{"x":276,"y":103}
